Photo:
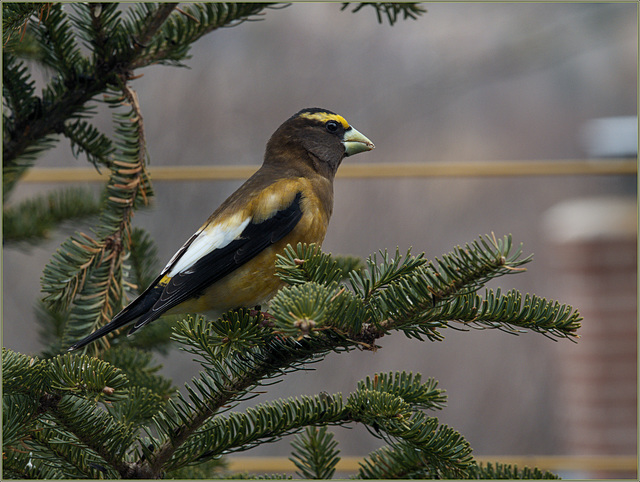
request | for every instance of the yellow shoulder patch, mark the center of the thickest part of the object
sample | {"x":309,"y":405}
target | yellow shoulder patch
{"x":324,"y":117}
{"x":165,"y":280}
{"x":276,"y":197}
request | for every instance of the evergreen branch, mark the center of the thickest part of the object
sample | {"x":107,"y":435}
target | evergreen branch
{"x":89,"y":272}
{"x":410,"y":294}
{"x":310,"y":308}
{"x":508,"y":472}
{"x":33,"y":219}
{"x":400,"y":461}
{"x":15,"y":16}
{"x":271,"y":421}
{"x":225,"y":381}
{"x":53,"y":385}
{"x":21,"y":105}
{"x":509,"y":312}
{"x":53,"y":448}
{"x":98,"y":295}
{"x":264,"y":423}
{"x":170,"y":41}
{"x":23,"y":374}
{"x":315,"y":453}
{"x":376,"y":277}
{"x":403,"y":460}
{"x":409,"y":387}
{"x":37,"y":131}
{"x":466,"y":269}
{"x":137,"y":407}
{"x":441,"y":448}
{"x":140,"y":369}
{"x":95,"y":430}
{"x":390,"y":404}
{"x":86,"y":138}
{"x":307,"y":262}
{"x":18,"y":420}
{"x":100,"y":26}
{"x":66,"y":273}
{"x":169,"y":33}
{"x":59,"y":48}
{"x":399,"y":293}
{"x":153,"y":23}
{"x":79,"y":374}
{"x":18,"y":89}
{"x":19,"y":465}
{"x":391,"y":10}
{"x":140,"y":150}
{"x":234,"y":332}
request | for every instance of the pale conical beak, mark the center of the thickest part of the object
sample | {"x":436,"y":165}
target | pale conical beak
{"x":355,"y":142}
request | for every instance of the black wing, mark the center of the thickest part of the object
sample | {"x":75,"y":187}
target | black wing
{"x":192,"y":282}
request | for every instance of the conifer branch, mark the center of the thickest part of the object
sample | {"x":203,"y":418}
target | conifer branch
{"x":59,"y":385}
{"x":391,"y":10}
{"x":496,"y":471}
{"x":271,"y":421}
{"x":164,"y":35}
{"x":315,"y":453}
{"x":59,"y":48}
{"x":16,"y":16}
{"x":153,"y":24}
{"x":394,"y":420}
{"x":224,"y":382}
{"x":68,"y":456}
{"x":86,"y":138}
{"x":411,"y":294}
{"x":33,"y":219}
{"x":93,"y":267}
{"x":94,"y":429}
{"x":409,"y":387}
{"x":403,"y":461}
{"x":139,"y":368}
{"x":264,"y":423}
{"x":387,"y":289}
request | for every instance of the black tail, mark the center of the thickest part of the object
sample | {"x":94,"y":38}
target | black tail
{"x":138,"y":307}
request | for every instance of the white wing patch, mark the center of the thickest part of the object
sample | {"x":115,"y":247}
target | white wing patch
{"x":206,"y":239}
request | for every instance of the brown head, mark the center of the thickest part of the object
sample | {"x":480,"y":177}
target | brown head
{"x":317,"y":137}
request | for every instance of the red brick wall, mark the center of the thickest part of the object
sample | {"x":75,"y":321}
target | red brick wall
{"x":595,"y":270}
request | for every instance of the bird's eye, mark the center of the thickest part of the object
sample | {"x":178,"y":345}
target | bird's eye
{"x":332,"y":126}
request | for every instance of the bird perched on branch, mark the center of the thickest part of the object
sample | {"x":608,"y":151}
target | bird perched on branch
{"x":230,"y":261}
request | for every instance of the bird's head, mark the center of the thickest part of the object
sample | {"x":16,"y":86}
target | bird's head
{"x":318,"y":136}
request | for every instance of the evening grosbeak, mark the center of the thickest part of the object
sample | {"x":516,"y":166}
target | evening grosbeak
{"x":230,"y":261}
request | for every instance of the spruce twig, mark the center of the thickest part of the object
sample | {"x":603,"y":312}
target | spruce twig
{"x":315,"y":453}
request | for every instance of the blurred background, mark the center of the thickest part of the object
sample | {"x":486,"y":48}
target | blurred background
{"x":465,"y":82}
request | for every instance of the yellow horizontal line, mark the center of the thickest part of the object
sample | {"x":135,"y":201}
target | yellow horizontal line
{"x":491,"y":168}
{"x":617,"y":463}
{"x":355,"y":170}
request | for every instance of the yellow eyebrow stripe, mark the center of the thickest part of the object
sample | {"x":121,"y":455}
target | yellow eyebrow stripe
{"x":324,"y":117}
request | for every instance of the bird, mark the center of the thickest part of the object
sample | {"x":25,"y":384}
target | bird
{"x":229,"y":262}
